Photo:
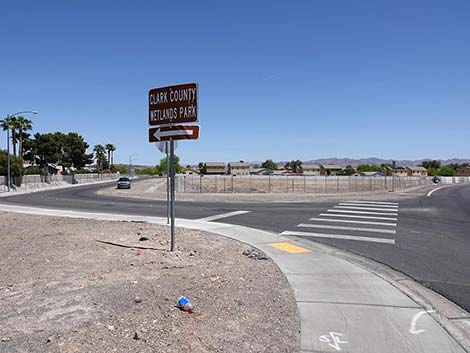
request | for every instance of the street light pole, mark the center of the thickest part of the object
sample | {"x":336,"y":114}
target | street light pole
{"x":8,"y":143}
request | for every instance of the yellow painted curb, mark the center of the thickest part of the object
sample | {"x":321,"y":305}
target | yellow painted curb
{"x":290,"y":248}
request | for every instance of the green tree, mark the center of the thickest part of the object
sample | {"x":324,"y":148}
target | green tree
{"x":434,"y":164}
{"x":446,"y":171}
{"x":22,"y":125}
{"x":74,"y":151}
{"x":100,"y":156}
{"x":16,"y":168}
{"x":368,"y":168}
{"x":295,"y":166}
{"x":269,"y":164}
{"x":46,"y":148}
{"x":162,"y":167}
{"x":110,"y":148}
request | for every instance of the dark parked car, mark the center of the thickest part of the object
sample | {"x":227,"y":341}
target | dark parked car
{"x":124,"y":183}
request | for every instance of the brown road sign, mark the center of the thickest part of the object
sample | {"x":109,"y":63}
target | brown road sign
{"x":173,"y":104}
{"x":177,"y":132}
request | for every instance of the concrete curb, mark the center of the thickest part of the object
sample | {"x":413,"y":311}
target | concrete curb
{"x":346,"y":302}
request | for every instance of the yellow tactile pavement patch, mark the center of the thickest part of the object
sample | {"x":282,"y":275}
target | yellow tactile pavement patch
{"x":290,"y":248}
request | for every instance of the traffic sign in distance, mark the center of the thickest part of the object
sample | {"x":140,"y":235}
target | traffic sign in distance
{"x":164,"y":147}
{"x":173,"y":104}
{"x":177,"y":132}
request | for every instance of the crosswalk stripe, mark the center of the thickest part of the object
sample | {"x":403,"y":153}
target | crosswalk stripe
{"x":360,"y":229}
{"x":352,"y":221}
{"x":356,"y":216}
{"x":376,"y":202}
{"x":362,"y":204}
{"x":367,"y":208}
{"x":339,"y":236}
{"x":364,"y":212}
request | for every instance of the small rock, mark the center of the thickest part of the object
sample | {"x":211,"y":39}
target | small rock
{"x":138,"y":300}
{"x":139,"y":233}
{"x":50,"y":339}
{"x":192,"y":253}
{"x":136,"y":336}
{"x":143,"y":238}
{"x":6,"y":339}
{"x":255,"y":254}
{"x":111,"y":328}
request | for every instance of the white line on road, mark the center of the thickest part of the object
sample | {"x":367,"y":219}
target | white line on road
{"x":352,"y":221}
{"x":355,"y":216}
{"x":367,"y":208}
{"x":223,"y":215}
{"x":339,"y":236}
{"x":439,"y":188}
{"x":376,"y":202}
{"x":362,"y":204}
{"x":413,"y":329}
{"x":373,"y":230}
{"x":364,"y":212}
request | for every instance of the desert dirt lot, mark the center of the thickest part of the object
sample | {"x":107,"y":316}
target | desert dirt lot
{"x":65,"y":288}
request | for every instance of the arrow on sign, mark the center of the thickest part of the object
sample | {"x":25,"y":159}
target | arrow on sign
{"x":178,"y":132}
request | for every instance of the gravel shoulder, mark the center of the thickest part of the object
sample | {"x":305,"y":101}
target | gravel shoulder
{"x":73,"y":285}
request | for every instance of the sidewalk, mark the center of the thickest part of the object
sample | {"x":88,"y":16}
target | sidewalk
{"x":346,"y":303}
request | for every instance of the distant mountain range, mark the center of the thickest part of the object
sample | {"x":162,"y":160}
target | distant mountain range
{"x":343,"y":162}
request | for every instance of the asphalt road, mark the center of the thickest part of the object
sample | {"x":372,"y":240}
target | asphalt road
{"x":429,"y":238}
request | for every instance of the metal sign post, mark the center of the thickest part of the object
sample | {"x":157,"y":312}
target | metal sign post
{"x":171,"y":108}
{"x":172,"y":194}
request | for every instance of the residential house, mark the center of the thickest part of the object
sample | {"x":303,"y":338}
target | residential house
{"x":417,"y":171}
{"x":283,"y":172}
{"x":311,"y":169}
{"x":372,"y":174}
{"x":189,"y":171}
{"x":238,"y":168}
{"x":260,"y":171}
{"x":329,"y":169}
{"x":400,"y":171}
{"x":464,"y":171}
{"x":214,"y":168}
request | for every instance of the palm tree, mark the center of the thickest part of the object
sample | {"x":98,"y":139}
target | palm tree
{"x":110,"y":148}
{"x":99,"y":155}
{"x":7,"y":124}
{"x":23,"y":125}
{"x":14,"y":137}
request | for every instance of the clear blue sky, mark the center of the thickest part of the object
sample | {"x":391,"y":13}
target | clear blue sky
{"x":277,"y":79}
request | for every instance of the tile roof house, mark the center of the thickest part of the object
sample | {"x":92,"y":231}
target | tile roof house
{"x":417,"y":171}
{"x":330,"y":169}
{"x":238,"y":168}
{"x":310,"y":169}
{"x":214,"y":168}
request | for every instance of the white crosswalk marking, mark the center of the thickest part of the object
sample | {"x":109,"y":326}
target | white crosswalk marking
{"x":366,"y":208}
{"x":352,"y":221}
{"x":356,"y":216}
{"x":376,"y":202}
{"x":362,"y":204}
{"x":323,"y":226}
{"x":364,"y":212}
{"x":340,"y":236}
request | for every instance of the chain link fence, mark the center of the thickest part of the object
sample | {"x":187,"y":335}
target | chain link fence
{"x":36,"y":181}
{"x":299,"y":184}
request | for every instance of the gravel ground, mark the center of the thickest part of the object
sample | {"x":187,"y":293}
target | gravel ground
{"x":66,"y":286}
{"x":155,"y":189}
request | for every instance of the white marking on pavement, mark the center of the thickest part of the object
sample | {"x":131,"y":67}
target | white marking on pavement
{"x":413,"y":329}
{"x":373,"y":230}
{"x":362,"y":217}
{"x":339,"y":236}
{"x":223,"y":215}
{"x":439,"y":188}
{"x":364,"y":212}
{"x":362,"y":205}
{"x":366,"y":208}
{"x":352,"y":221}
{"x":376,"y":202}
{"x":333,"y":340}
